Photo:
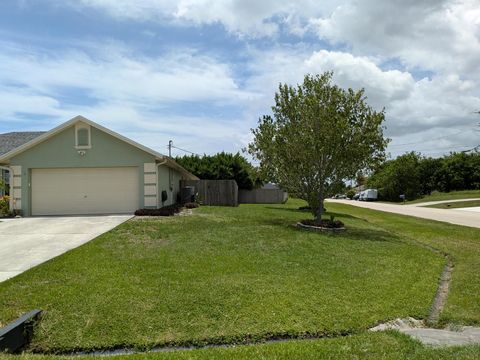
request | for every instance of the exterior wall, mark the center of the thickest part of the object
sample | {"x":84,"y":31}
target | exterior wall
{"x":150,"y":185}
{"x":176,"y":178}
{"x":60,"y":152}
{"x":169,"y":181}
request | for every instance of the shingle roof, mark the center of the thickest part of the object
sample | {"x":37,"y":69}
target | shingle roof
{"x":12,"y":140}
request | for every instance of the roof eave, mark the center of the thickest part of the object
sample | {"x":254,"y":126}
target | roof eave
{"x":174,"y":165}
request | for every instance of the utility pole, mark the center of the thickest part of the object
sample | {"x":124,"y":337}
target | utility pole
{"x":170,"y":143}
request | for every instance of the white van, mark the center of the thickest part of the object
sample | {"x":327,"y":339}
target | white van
{"x":369,"y":195}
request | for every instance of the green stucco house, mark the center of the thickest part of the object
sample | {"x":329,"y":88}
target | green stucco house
{"x":82,"y":168}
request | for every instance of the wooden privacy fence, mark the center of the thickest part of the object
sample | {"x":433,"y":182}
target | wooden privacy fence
{"x":262,"y":196}
{"x":214,"y":192}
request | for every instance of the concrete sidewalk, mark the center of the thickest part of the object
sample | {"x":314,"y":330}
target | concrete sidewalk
{"x":27,"y":242}
{"x":465,"y":218}
{"x":473,"y":209}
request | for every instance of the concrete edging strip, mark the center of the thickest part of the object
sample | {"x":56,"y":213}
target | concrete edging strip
{"x":18,"y":333}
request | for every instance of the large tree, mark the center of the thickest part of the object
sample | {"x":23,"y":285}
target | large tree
{"x":319,"y":136}
{"x":401,"y":176}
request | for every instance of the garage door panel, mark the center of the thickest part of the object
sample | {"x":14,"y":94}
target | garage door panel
{"x":85,"y":191}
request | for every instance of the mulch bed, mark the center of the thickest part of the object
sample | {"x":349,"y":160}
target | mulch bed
{"x":324,"y":225}
{"x":169,"y":210}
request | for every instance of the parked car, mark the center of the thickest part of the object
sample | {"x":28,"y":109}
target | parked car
{"x":356,"y":196}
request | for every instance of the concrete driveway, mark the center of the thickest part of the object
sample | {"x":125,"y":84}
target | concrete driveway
{"x":465,"y":218}
{"x":27,"y":242}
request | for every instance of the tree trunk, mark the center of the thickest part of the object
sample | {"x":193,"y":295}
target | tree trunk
{"x":318,"y":217}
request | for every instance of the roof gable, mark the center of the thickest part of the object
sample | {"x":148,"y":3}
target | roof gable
{"x":77,"y":119}
{"x":41,"y":137}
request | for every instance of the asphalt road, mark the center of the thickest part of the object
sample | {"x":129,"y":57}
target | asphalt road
{"x":465,"y":218}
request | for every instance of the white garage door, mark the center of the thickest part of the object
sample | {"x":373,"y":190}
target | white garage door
{"x":85,"y":191}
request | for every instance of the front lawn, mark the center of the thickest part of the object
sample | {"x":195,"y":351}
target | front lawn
{"x":461,"y":242}
{"x":228,"y":274}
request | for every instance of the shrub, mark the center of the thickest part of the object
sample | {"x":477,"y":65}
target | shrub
{"x":191,"y":205}
{"x":4,"y":205}
{"x":169,"y":210}
{"x":350,"y":194}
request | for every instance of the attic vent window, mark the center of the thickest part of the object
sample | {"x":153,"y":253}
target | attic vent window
{"x":82,"y":137}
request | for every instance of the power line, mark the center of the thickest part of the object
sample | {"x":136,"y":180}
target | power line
{"x":170,"y":146}
{"x":187,"y":151}
{"x":442,"y":148}
{"x":424,"y":141}
{"x":476,"y":149}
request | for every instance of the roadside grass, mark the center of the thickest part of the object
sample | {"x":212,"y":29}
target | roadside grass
{"x":461,"y":242}
{"x":226,"y":275}
{"x":452,"y":195}
{"x":385,"y":345}
{"x":456,"y":205}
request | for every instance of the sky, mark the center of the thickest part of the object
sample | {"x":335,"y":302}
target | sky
{"x":202,"y":72}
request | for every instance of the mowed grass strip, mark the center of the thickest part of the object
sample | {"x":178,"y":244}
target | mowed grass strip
{"x":456,"y":205}
{"x":222,"y":275}
{"x":452,"y":195}
{"x":461,"y":242}
{"x":363,"y":346}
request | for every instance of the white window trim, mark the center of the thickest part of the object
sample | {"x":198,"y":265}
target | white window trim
{"x":79,"y":126}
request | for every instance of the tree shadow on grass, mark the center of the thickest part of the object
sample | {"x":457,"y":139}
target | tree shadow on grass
{"x":327,"y":214}
{"x":352,"y":232}
{"x":372,"y":235}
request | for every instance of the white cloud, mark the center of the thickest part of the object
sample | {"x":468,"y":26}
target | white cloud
{"x":418,"y":59}
{"x":360,"y":72}
{"x":177,"y":76}
{"x":129,"y":93}
{"x":414,"y":108}
{"x":242,"y":17}
{"x":437,"y":35}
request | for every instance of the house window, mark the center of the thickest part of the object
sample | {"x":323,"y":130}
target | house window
{"x":82,"y":137}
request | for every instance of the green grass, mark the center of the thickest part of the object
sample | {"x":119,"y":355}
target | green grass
{"x":452,"y":195}
{"x":364,"y":346}
{"x":228,"y":274}
{"x":461,"y":242}
{"x":456,"y":205}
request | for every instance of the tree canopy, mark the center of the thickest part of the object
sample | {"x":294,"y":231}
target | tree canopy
{"x":221,"y":166}
{"x":319,"y":135}
{"x":415,"y":175}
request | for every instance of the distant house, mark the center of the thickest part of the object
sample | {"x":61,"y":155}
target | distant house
{"x":270,"y":186}
{"x":81,"y":167}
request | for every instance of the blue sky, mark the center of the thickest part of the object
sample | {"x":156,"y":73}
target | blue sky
{"x":201,"y":72}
